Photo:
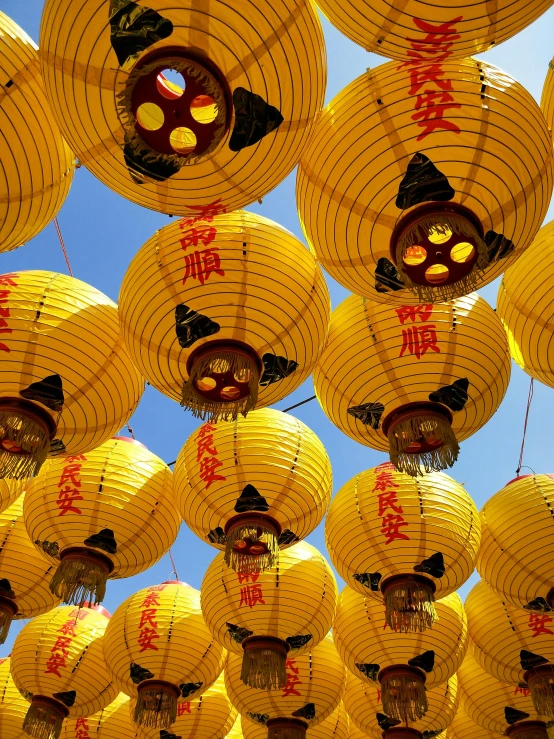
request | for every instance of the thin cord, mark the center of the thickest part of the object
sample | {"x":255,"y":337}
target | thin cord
{"x":130,"y":430}
{"x":529,"y":399}
{"x":60,"y":237}
{"x":298,"y":404}
{"x":173,"y":564}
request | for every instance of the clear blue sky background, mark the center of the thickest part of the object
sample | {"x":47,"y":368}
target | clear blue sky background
{"x":102,"y":232}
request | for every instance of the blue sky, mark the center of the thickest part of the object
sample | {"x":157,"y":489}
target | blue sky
{"x":102,"y":232}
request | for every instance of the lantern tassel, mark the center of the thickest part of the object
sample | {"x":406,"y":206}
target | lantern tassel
{"x":8,"y":610}
{"x":404,"y":697}
{"x":410,"y":431}
{"x":156,"y":705}
{"x":44,"y":719}
{"x":247,"y":563}
{"x":264,"y":663}
{"x":409,"y":607}
{"x":81,"y":578}
{"x":541,"y":687}
{"x":29,"y":436}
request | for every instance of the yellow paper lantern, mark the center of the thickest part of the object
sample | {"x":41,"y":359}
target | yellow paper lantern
{"x":526,"y":308}
{"x":498,"y":707}
{"x":271,"y":616}
{"x":272,"y":486}
{"x":66,"y":380}
{"x":58,"y":664}
{"x":363,"y":704}
{"x":422,"y":183}
{"x":404,"y":540}
{"x":513,"y":645}
{"x":335,"y":726}
{"x":13,"y":705}
{"x":120,"y":518}
{"x":355,"y":733}
{"x":25,"y":573}
{"x":547,"y":97}
{"x":413,"y":380}
{"x":465,"y":728}
{"x":37,"y":165}
{"x":425,"y":30}
{"x":112,"y":722}
{"x":403,"y":665}
{"x":517,"y":546}
{"x":252,"y":78}
{"x":10,"y":490}
{"x":313,"y":689}
{"x":160,"y":651}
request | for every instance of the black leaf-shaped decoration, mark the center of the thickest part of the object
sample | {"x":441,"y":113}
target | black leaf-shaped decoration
{"x":431,"y":733}
{"x":68,"y":698}
{"x":369,"y":580}
{"x":433,"y":566}
{"x":259,"y":718}
{"x":104,"y":540}
{"x":254,"y":119}
{"x":51,"y":548}
{"x":191,"y":326}
{"x":276,"y":368}
{"x":6,"y":588}
{"x":49,"y":392}
{"x":498,"y":246}
{"x":307,"y":712}
{"x":238,"y":633}
{"x":512,"y":715}
{"x":386,"y":722}
{"x":57,"y":447}
{"x":387,"y":277}
{"x":138,"y":673}
{"x":134,"y":28}
{"x":423,"y":182}
{"x":425,"y":661}
{"x":528,"y":660}
{"x":539,"y":604}
{"x":187,"y":689}
{"x":287,"y":537}
{"x":369,"y":414}
{"x":251,"y":500}
{"x":166,"y":735}
{"x":295,"y":642}
{"x":370,"y":671}
{"x":217,"y":536}
{"x":140,"y":167}
{"x":453,"y":396}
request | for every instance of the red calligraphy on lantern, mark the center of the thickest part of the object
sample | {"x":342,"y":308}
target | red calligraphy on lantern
{"x":434,"y":99}
{"x":247,"y":577}
{"x":208,"y":464}
{"x":251,"y":595}
{"x":421,"y":337}
{"x":183,"y":708}
{"x":60,"y":649}
{"x":148,"y":625}
{"x":539,"y":623}
{"x":521,"y":691}
{"x":389,"y":510}
{"x":82,"y":728}
{"x":6,"y":281}
{"x":201,"y":263}
{"x":293,"y":679}
{"x":70,"y":486}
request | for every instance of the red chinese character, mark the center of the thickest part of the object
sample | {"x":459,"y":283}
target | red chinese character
{"x":290,"y":687}
{"x":384,"y":480}
{"x":204,"y":213}
{"x":146,"y":639}
{"x":152,"y":599}
{"x":413,"y":312}
{"x":55,"y":661}
{"x":148,"y":617}
{"x":391,"y":526}
{"x":388,"y":500}
{"x":78,"y":613}
{"x":77,"y":458}
{"x":70,"y":474}
{"x":251,"y":595}
{"x":9,"y":279}
{"x":68,"y":628}
{"x":183,"y":708}
{"x":436,"y":34}
{"x":61,"y":645}
{"x":248,"y":576}
{"x":431,"y":118}
{"x":81,"y":723}
{"x":200,"y":264}
{"x":521,"y":691}
{"x":418,"y":340}
{"x":208,"y":467}
{"x":538,"y":624}
{"x":66,"y":499}
{"x":378,"y":695}
{"x":430,"y":77}
{"x":207,"y":428}
{"x":204,"y":234}
{"x":290,"y":664}
{"x":205,"y":446}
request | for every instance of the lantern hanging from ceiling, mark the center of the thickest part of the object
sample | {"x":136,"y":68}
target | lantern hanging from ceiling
{"x":227,"y":328}
{"x":432,"y":31}
{"x":37,"y":165}
{"x":112,"y":722}
{"x":517,"y":546}
{"x":498,"y":707}
{"x":271,"y":616}
{"x":526,"y":308}
{"x":513,"y":645}
{"x":404,"y":665}
{"x":270,"y":487}
{"x":422,"y":183}
{"x":58,"y":665}
{"x":313,"y":689}
{"x":335,"y":726}
{"x":160,"y":651}
{"x":251,"y":80}
{"x":547,"y":97}
{"x":13,"y":705}
{"x":364,"y":707}
{"x":25,"y":573}
{"x":405,"y":540}
{"x":66,"y":380}
{"x":121,"y":518}
{"x":462,"y":727}
{"x":413,"y":380}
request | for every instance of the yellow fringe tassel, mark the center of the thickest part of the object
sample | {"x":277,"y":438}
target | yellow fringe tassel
{"x":43,"y":722}
{"x":156,"y":708}
{"x":404,"y":433}
{"x":264,"y":669}
{"x":404,"y":697}
{"x":78,"y":581}
{"x":542,"y":693}
{"x":30,"y":436}
{"x":409,"y":608}
{"x":248,"y":564}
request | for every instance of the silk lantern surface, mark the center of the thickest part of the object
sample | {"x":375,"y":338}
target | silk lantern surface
{"x":112,"y":722}
{"x":462,"y":727}
{"x":253,"y":77}
{"x":335,"y":726}
{"x":13,"y":705}
{"x":10,"y":490}
{"x":423,"y":182}
{"x":271,"y":487}
{"x":547,"y":97}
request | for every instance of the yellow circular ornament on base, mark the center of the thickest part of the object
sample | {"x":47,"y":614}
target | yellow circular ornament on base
{"x":13,"y":705}
{"x":112,"y":722}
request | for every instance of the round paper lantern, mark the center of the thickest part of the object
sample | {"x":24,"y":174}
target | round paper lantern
{"x":335,"y":726}
{"x":272,"y":486}
{"x":404,"y":540}
{"x":404,"y":665}
{"x":112,"y":722}
{"x":251,"y":80}
{"x":120,"y":517}
{"x":415,"y":380}
{"x":547,"y":97}
{"x":363,"y":703}
{"x":271,"y":616}
{"x":10,"y":490}
{"x":513,"y":645}
{"x":498,"y":707}
{"x":422,"y":183}
{"x":160,"y":651}
{"x":313,"y":689}
{"x":66,"y":380}
{"x":517,"y":543}
{"x":13,"y":705}
{"x":526,"y":308}
{"x":465,"y":728}
{"x":25,"y":573}
{"x":58,"y":665}
{"x":354,"y":732}
{"x":433,"y":31}
{"x":37,"y":166}
{"x":224,"y":313}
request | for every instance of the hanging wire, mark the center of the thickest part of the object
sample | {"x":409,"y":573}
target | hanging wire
{"x":299,"y":404}
{"x":173,"y":564}
{"x":130,"y":430}
{"x":529,"y":399}
{"x":60,"y":237}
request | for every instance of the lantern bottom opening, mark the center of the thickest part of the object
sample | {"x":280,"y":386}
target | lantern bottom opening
{"x":409,"y":603}
{"x":286,"y":728}
{"x":81,"y":576}
{"x":541,"y":686}
{"x":45,"y":717}
{"x":527,"y":730}
{"x":264,"y":662}
{"x":156,"y":705}
{"x":403,"y":692}
{"x":252,"y":543}
{"x":26,"y":431}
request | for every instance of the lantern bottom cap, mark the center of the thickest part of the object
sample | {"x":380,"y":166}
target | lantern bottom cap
{"x":81,"y":576}
{"x":541,"y":687}
{"x":264,"y":662}
{"x":403,"y":692}
{"x":252,"y":543}
{"x":156,"y":705}
{"x":286,"y":728}
{"x":409,"y":603}
{"x":8,"y":611}
{"x":45,"y":717}
{"x":402,"y":732}
{"x":26,"y":431}
{"x":527,"y":730}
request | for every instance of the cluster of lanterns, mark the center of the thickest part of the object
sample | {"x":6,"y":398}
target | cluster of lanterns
{"x":424,"y":179}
